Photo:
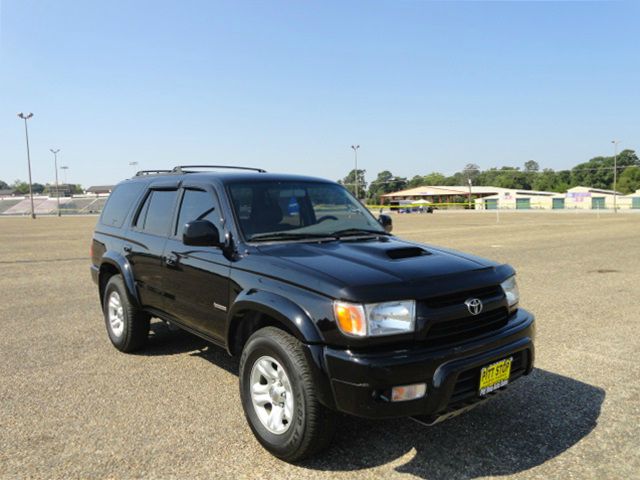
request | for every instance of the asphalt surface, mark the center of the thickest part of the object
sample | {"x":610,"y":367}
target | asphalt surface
{"x":71,"y":406}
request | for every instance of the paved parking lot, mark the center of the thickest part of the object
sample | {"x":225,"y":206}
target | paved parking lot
{"x":71,"y":406}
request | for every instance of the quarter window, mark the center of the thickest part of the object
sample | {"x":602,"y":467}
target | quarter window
{"x":119,"y":203}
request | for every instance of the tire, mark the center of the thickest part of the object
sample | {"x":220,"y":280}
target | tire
{"x":127,"y":326}
{"x":311,"y":424}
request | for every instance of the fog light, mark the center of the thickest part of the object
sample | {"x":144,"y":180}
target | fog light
{"x":402,"y":393}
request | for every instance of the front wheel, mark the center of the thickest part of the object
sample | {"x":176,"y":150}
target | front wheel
{"x":279,"y":397}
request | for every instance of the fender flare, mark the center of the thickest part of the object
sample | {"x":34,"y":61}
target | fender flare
{"x":124,"y":268}
{"x":294,"y":318}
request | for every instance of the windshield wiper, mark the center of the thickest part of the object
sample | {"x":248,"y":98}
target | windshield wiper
{"x":289,"y":236}
{"x":350,"y":232}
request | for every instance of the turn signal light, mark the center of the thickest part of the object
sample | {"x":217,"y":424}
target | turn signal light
{"x":351,"y":319}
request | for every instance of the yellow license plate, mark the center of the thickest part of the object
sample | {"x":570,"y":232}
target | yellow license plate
{"x":495,"y":376}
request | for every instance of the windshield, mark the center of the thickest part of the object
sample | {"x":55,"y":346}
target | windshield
{"x":298,"y":210}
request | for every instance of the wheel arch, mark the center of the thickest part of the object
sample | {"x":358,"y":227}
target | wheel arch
{"x":116,"y":264}
{"x":257,"y":309}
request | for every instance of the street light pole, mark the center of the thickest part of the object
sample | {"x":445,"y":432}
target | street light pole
{"x":26,"y":134}
{"x":55,"y":162}
{"x":469,"y":180}
{"x":65,"y":168}
{"x":615,"y":174}
{"x":355,"y":151}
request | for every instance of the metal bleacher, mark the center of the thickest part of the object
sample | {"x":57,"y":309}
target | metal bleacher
{"x":49,"y":205}
{"x":7,"y":203}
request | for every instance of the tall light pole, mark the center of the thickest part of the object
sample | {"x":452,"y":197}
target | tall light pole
{"x":55,"y":162}
{"x":26,"y":134}
{"x":469,"y":180}
{"x":65,"y":168}
{"x":134,"y":165}
{"x":615,"y":174}
{"x":355,"y":151}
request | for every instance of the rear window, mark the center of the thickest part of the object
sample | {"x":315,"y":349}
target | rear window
{"x":119,"y":204}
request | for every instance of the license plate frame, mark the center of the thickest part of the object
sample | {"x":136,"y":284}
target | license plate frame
{"x":494,"y":376}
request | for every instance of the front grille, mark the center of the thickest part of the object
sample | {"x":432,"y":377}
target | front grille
{"x":457,"y":330}
{"x":460,"y":297}
{"x":446,"y":319}
{"x":467,"y":385}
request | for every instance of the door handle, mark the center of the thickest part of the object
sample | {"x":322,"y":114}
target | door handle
{"x":171,"y":260}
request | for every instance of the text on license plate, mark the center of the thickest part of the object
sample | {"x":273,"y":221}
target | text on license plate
{"x":495,"y":376}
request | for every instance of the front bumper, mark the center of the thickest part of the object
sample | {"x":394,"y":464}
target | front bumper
{"x":95,"y":273}
{"x":360,"y":381}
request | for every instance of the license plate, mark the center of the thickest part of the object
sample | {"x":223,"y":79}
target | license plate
{"x":495,"y":376}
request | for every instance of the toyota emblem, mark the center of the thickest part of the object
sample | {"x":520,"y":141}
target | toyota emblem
{"x":474,"y":305}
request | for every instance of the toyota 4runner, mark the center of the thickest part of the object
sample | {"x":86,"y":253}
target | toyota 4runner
{"x":327,"y":310}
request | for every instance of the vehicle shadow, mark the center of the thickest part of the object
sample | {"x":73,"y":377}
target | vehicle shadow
{"x":164,"y":341}
{"x":535,"y":420}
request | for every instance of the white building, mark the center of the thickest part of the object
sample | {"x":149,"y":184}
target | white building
{"x":592,"y":198}
{"x":510,"y":199}
{"x":633,"y":200}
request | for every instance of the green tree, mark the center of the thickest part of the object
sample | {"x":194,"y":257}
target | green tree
{"x":531,"y":169}
{"x":629,"y":180}
{"x":433,"y":178}
{"x":350,"y":182}
{"x":386,"y":182}
{"x":598,"y":172}
{"x":505,"y":177}
{"x":458,"y":178}
{"x":416,"y":181}
{"x":3,"y":185}
{"x":531,"y":166}
{"x":550,"y":181}
{"x":21,"y":187}
{"x":471,"y":171}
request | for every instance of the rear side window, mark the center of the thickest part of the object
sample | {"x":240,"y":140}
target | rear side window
{"x":119,"y":204}
{"x":198,"y":205}
{"x":157,"y":212}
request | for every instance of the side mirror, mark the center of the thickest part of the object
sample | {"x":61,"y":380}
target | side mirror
{"x":386,"y":222}
{"x":201,"y":233}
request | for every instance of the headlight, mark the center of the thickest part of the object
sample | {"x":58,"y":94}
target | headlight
{"x":375,"y":319}
{"x":510,"y":288}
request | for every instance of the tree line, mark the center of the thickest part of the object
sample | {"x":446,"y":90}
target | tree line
{"x":597,"y":173}
{"x":22,"y":188}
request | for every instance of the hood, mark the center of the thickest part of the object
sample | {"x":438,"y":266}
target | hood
{"x":376,"y":270}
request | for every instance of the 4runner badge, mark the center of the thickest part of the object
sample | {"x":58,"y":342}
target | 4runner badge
{"x":219,"y":307}
{"x":474,"y":305}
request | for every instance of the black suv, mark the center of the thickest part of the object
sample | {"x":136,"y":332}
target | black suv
{"x":328,"y":311}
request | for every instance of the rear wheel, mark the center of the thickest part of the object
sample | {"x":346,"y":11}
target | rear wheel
{"x":127,"y":326}
{"x":279,"y":397}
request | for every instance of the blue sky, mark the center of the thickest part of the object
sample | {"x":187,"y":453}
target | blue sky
{"x":289,"y":86}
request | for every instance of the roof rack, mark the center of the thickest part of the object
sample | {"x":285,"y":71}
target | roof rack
{"x":185,"y":168}
{"x":151,"y":172}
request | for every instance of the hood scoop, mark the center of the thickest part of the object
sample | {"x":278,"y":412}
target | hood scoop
{"x":406,"y":252}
